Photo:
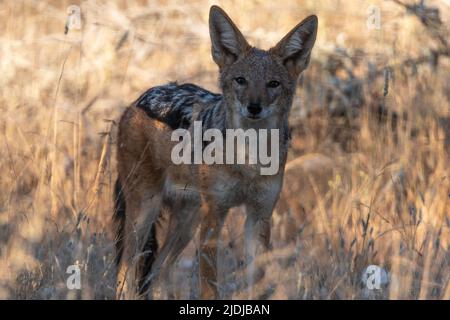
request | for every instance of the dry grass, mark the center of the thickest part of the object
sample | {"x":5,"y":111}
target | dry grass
{"x":385,"y":201}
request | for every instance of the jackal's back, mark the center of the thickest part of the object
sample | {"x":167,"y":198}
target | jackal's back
{"x":173,"y":104}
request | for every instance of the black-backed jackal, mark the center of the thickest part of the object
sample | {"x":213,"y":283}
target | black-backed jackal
{"x":257,"y":92}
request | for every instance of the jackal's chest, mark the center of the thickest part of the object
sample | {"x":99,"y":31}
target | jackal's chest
{"x":235,"y":185}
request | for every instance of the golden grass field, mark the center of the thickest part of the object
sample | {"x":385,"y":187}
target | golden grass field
{"x":368,"y":178}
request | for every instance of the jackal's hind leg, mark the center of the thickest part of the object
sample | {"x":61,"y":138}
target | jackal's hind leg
{"x":136,"y":256}
{"x":183,"y":209}
{"x":126,"y":277}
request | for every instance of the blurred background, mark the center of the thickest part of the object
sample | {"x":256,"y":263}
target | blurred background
{"x":367,"y":182}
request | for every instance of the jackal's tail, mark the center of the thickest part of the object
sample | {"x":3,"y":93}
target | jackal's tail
{"x":119,"y":219}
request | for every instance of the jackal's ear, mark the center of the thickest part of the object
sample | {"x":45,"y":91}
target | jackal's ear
{"x":295,"y":48}
{"x":227,"y":41}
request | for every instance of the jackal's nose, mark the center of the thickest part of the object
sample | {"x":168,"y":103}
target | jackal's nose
{"x":254,"y":108}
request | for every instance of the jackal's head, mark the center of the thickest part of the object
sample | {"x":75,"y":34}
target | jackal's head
{"x":259,"y":84}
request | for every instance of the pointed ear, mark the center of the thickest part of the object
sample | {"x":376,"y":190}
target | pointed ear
{"x":227,"y":41}
{"x":295,"y":48}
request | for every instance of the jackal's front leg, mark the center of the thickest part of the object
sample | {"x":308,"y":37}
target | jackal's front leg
{"x":257,"y":241}
{"x":257,"y":233}
{"x":212,"y":221}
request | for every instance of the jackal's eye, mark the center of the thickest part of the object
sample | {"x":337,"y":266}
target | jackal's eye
{"x":273,"y":84}
{"x":240,"y":80}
